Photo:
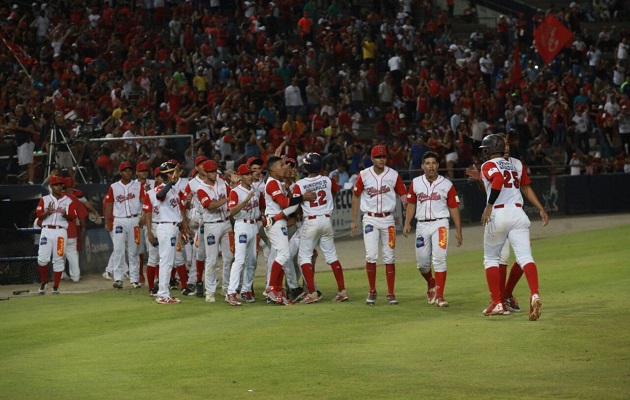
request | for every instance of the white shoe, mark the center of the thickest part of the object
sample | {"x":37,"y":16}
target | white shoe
{"x":210,"y":298}
{"x":76,"y":279}
{"x":107,"y":276}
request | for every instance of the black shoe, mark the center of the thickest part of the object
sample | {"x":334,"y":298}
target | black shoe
{"x":199,"y":287}
{"x":118,"y":285}
{"x":174,"y":284}
{"x":153,"y":292}
{"x":189,"y":290}
{"x":295,"y":293}
{"x":42,"y":288}
{"x":55,"y":290}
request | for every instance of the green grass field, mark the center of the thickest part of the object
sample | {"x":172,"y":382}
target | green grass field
{"x":119,"y":345}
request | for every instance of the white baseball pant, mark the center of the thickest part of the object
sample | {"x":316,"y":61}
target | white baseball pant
{"x":377,"y":229}
{"x":52,"y":244}
{"x":153,"y":252}
{"x":126,"y":232}
{"x":167,"y":238}
{"x":110,"y":262}
{"x":313,"y":231}
{"x":431,"y":245}
{"x":215,"y":235}
{"x":509,"y":222}
{"x":72,"y":255}
{"x":245,"y":236}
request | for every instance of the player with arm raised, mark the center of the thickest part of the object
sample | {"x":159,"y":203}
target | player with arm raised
{"x":151,"y":217}
{"x":431,"y":199}
{"x":504,"y":218}
{"x":275,"y":224}
{"x":376,"y":191}
{"x":317,"y":227}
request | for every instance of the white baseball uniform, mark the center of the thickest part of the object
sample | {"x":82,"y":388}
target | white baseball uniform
{"x":433,"y":200}
{"x":217,"y":230}
{"x":194,"y":213}
{"x":508,"y":220}
{"x":73,"y":231}
{"x":167,"y":216}
{"x":52,"y":241}
{"x":152,"y":205}
{"x":127,"y":207}
{"x":378,"y":194}
{"x":142,"y":246}
{"x":245,"y":236}
{"x":276,"y":201}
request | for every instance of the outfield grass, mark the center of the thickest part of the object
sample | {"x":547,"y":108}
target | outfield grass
{"x":120,"y":345}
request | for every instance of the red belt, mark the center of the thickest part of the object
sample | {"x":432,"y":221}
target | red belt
{"x":378,"y":215}
{"x":315,"y":216}
{"x":54,"y":227}
{"x":249,"y":221}
{"x":503,"y":205}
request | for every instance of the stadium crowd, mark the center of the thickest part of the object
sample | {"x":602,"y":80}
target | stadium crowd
{"x":247,"y":77}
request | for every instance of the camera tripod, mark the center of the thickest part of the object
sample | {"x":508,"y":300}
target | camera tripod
{"x":53,"y":144}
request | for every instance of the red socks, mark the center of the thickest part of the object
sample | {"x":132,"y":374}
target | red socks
{"x":428,"y":277}
{"x":56,"y":278}
{"x":183,"y":275}
{"x":338,"y":272}
{"x":515,"y":274}
{"x":390,"y":274}
{"x":531,"y":273}
{"x":309,"y":277}
{"x":370,"y":268}
{"x":493,"y":277}
{"x":150,"y":276}
{"x":199,"y":265}
{"x":440,"y":282}
{"x":43,"y":273}
{"x":275,"y":280}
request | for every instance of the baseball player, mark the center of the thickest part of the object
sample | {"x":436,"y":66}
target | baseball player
{"x":276,"y":225}
{"x":213,"y":196}
{"x":142,"y":177}
{"x":317,"y":227}
{"x":75,"y":231}
{"x":376,"y":189}
{"x":125,"y":205}
{"x":504,"y":218}
{"x":244,"y":206}
{"x":194,"y":211}
{"x":149,"y":220}
{"x":432,"y":199}
{"x":54,"y":212}
{"x":168,"y":217}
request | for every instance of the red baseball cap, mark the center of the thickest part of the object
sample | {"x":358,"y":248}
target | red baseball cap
{"x":255,"y":161}
{"x":124,"y":165}
{"x":56,"y":180}
{"x":173,"y":161}
{"x":244,"y":169}
{"x":200,"y":159}
{"x":210,"y":166}
{"x":290,"y":161}
{"x":143,"y":166}
{"x":69,"y":182}
{"x":379,"y":151}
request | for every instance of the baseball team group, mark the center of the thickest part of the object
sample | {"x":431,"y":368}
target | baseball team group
{"x":183,"y":225}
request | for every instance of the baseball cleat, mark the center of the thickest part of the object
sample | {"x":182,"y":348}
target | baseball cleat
{"x":189,"y":290}
{"x":118,"y":285}
{"x":224,"y":292}
{"x":173,"y":284}
{"x":534,"y":308}
{"x":391,"y":299}
{"x":136,"y":285}
{"x":440,"y":302}
{"x":341,"y":296}
{"x":248,"y":297}
{"x":310,"y":298}
{"x":199,"y":288}
{"x":511,"y":304}
{"x":493,"y":309}
{"x":231,"y":300}
{"x":371,"y":299}
{"x":42,"y":288}
{"x":107,"y":276}
{"x":506,"y":310}
{"x":153,"y":292}
{"x":55,"y":290}
{"x":297,"y":294}
{"x":210,"y":298}
{"x":167,"y":300}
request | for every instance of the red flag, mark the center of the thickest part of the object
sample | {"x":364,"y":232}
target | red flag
{"x":517,"y":71}
{"x":551,"y":36}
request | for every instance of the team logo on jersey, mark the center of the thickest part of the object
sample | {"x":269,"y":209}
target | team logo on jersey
{"x":419,"y":242}
{"x":173,"y":241}
{"x":284,"y":231}
{"x":242,"y":238}
{"x":119,"y":229}
{"x":210,"y":240}
{"x":61,"y":246}
{"x":392,"y":236}
{"x":374,"y":191}
{"x":422,"y":197}
{"x":173,"y":203}
{"x":368,"y":228}
{"x":442,"y":237}
{"x":121,"y":198}
{"x":43,"y":240}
